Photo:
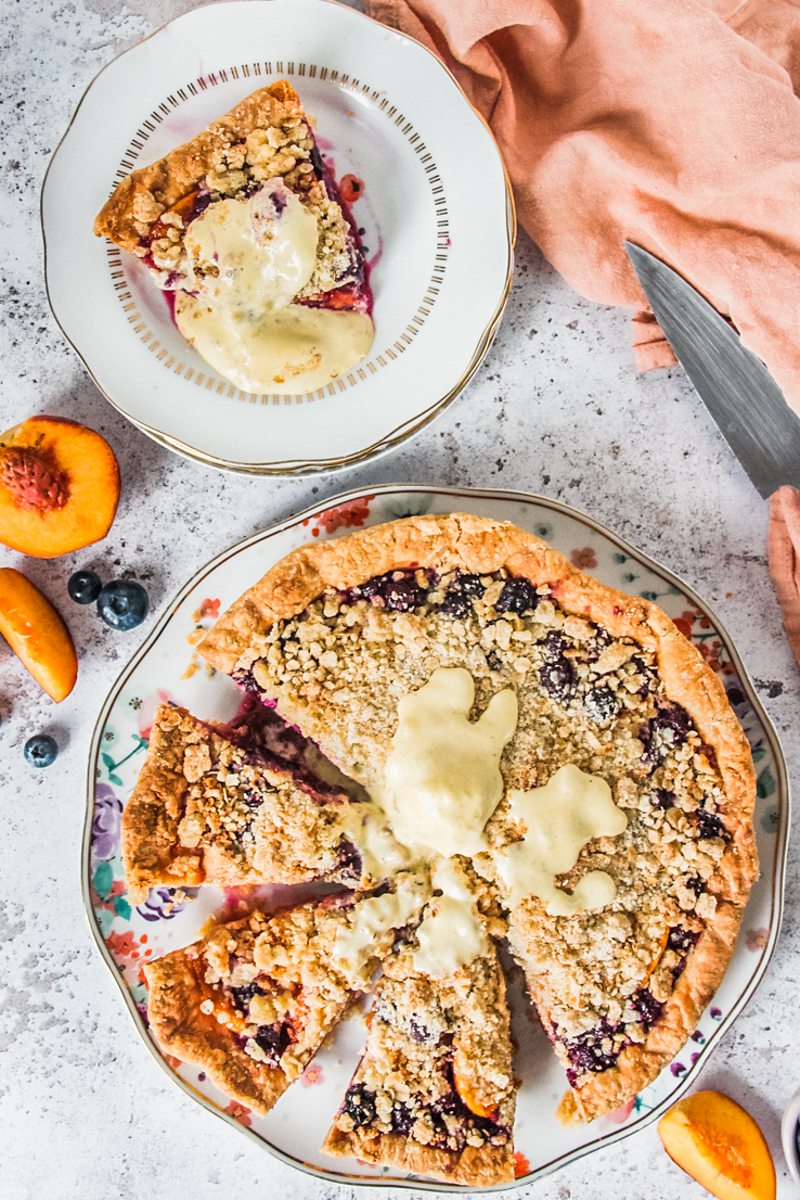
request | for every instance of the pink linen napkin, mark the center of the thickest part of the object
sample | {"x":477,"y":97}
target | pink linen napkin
{"x":674,"y":125}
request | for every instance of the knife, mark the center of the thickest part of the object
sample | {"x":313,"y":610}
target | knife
{"x":733,"y":383}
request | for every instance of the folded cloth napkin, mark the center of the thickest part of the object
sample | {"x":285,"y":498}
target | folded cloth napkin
{"x":674,"y":125}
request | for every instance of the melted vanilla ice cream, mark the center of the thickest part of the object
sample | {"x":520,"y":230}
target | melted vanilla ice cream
{"x":442,"y":780}
{"x":248,"y":259}
{"x":559,"y":819}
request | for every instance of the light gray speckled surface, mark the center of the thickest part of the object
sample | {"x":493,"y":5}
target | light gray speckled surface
{"x":84,"y":1111}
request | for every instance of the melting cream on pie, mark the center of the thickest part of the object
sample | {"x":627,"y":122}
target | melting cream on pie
{"x":253,"y":254}
{"x":451,"y":933}
{"x":366,"y":826}
{"x":247,"y":260}
{"x":442,"y":780}
{"x":374,"y":917}
{"x":559,"y":820}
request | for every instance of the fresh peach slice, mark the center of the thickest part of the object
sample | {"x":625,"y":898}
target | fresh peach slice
{"x":37,"y":634}
{"x":466,"y":1091}
{"x":59,"y":486}
{"x":719,"y":1144}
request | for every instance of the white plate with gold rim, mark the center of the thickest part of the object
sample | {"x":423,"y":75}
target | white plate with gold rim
{"x":166,"y":665}
{"x":436,"y":212}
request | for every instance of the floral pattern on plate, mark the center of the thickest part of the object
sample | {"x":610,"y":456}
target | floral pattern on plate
{"x":170,"y":918}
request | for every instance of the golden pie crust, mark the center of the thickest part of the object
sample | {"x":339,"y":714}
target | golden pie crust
{"x":183,"y":1030}
{"x":145,"y":194}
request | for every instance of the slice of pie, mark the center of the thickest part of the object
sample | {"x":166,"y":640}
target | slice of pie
{"x":240,"y":804}
{"x":245,"y":228}
{"x":434,"y":1092}
{"x":252,"y":1002}
{"x":458,"y":667}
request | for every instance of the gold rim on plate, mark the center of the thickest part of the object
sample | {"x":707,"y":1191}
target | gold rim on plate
{"x":779,"y":858}
{"x":388,"y":441}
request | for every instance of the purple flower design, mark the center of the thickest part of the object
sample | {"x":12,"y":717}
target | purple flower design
{"x":678,"y":1069}
{"x":105,"y":825}
{"x":161,"y":905}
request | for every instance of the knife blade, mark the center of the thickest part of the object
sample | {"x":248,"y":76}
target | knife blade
{"x":733,"y":383}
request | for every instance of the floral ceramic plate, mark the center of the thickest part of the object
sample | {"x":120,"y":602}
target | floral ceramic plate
{"x":167,"y":666}
{"x":436,"y":218}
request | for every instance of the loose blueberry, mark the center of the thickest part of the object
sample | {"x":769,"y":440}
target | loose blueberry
{"x":41,"y":750}
{"x":518,"y":596}
{"x":123,"y":604}
{"x":84,"y":586}
{"x":359,"y":1104}
{"x":559,"y":679}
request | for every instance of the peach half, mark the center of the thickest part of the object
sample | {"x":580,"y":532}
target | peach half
{"x":719,"y":1144}
{"x":59,"y":486}
{"x":37,"y":634}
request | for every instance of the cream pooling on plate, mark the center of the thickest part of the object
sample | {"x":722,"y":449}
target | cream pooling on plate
{"x":248,"y":259}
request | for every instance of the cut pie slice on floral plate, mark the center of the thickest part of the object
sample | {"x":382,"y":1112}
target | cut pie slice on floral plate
{"x":245,"y":228}
{"x":252,"y":1002}
{"x":245,"y":804}
{"x":434,"y":1092}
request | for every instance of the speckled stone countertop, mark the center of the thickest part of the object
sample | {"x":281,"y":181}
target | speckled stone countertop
{"x":556,"y":408}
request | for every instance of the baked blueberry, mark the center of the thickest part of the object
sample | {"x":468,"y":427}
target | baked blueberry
{"x":518,"y":596}
{"x":559,"y":678}
{"x":359,"y":1105}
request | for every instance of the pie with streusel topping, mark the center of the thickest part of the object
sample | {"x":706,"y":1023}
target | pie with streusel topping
{"x":342,"y":635}
{"x":239,"y":804}
{"x":245,"y":229}
{"x":434,"y":1092}
{"x":254,"y":999}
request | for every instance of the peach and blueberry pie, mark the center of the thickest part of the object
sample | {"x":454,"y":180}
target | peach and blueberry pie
{"x":245,"y":230}
{"x":565,"y":769}
{"x":254,"y":999}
